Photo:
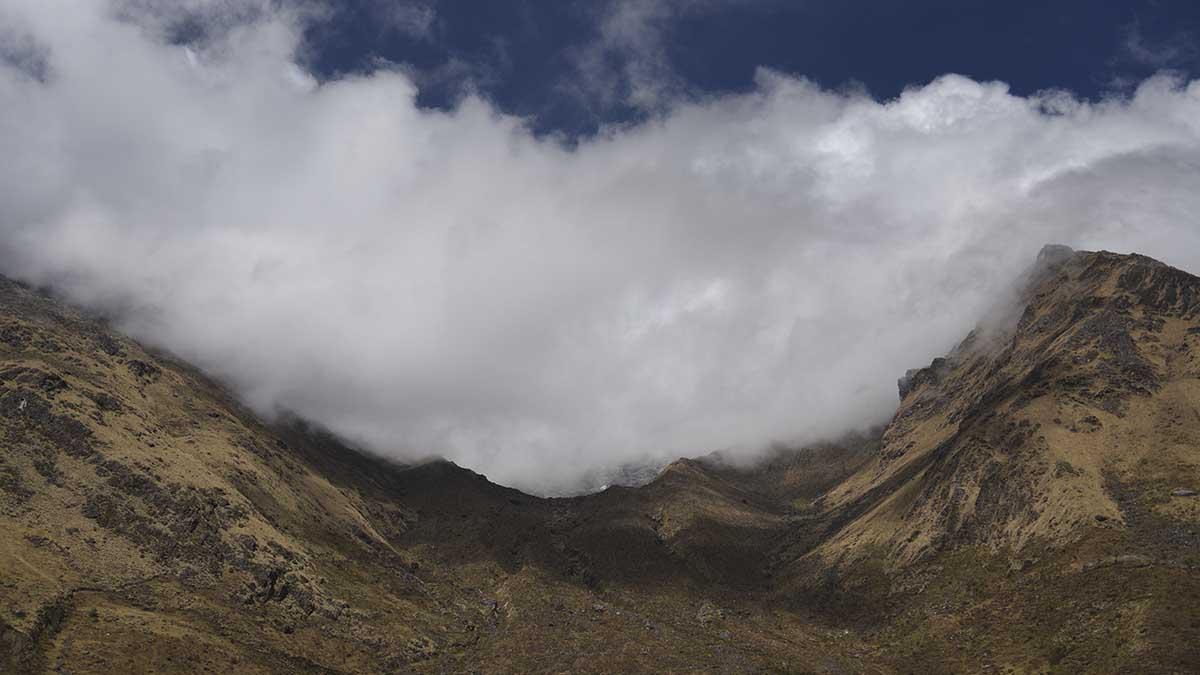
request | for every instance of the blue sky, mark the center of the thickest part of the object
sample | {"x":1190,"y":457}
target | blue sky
{"x":567,"y":65}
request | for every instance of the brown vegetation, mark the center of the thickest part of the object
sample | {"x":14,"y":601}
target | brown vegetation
{"x":1030,"y":507}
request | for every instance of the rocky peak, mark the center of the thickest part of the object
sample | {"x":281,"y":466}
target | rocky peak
{"x":1017,"y":434}
{"x":1054,"y":254}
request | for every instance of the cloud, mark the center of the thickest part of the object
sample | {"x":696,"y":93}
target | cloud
{"x":1173,"y":51}
{"x":416,"y":20}
{"x":20,"y":52}
{"x":627,"y":63}
{"x":737,"y":271}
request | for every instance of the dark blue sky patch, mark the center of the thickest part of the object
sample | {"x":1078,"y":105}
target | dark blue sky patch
{"x":526,"y":56}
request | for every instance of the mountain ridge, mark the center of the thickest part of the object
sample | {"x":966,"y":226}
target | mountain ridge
{"x":1024,"y":508}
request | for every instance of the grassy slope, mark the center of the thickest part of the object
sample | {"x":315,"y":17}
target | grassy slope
{"x":1016,"y":514}
{"x":1020,"y":509}
{"x":150,"y":524}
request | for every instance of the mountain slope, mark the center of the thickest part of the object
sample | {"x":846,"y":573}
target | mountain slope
{"x":1026,"y":508}
{"x":139,"y":500}
{"x":1043,"y":469}
{"x":150,"y":524}
{"x":1020,"y":432}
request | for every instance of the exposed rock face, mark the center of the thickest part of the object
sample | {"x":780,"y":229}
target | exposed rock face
{"x":920,"y":377}
{"x":1030,"y":505}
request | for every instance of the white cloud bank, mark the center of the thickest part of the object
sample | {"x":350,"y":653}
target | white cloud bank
{"x":746,"y":269}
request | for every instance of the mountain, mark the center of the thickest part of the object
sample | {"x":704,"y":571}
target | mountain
{"x":1032,"y":500}
{"x":1031,"y":506}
